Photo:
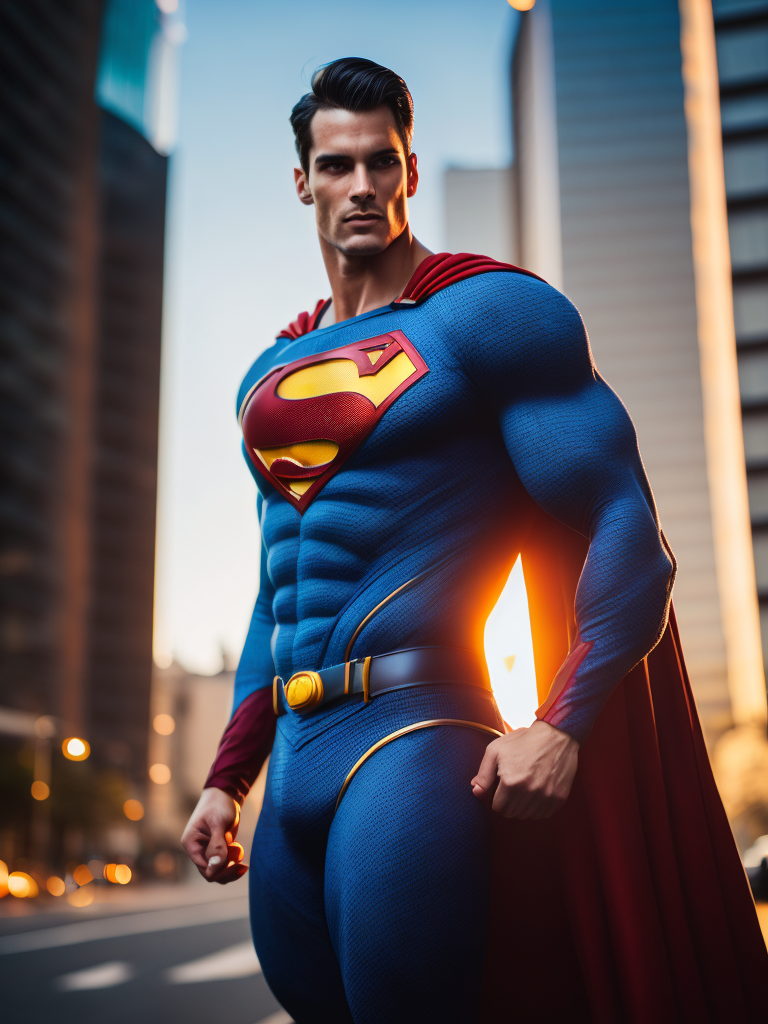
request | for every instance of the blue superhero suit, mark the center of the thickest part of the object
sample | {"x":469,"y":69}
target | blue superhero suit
{"x":401,"y":457}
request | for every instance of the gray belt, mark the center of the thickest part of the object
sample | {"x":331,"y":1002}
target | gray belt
{"x":378,"y":674}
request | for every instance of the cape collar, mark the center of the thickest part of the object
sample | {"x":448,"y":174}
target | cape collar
{"x":432,"y":275}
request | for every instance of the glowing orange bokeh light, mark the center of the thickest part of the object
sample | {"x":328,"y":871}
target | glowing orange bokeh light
{"x":160,"y":774}
{"x":521,"y":5}
{"x":82,"y":897}
{"x":82,"y":874}
{"x":164,"y":724}
{"x":55,"y":885}
{"x":133,"y":810}
{"x":75,"y":749}
{"x":40,"y":790}
{"x":120,"y":874}
{"x":22,"y":885}
{"x":3,"y":879}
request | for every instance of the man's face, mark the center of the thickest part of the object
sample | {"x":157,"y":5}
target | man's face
{"x":359,"y":180}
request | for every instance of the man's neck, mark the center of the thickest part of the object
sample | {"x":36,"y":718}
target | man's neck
{"x":362,"y":283}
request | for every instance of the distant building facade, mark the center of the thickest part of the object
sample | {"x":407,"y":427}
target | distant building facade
{"x":741,"y":28}
{"x":189,"y":714}
{"x":620,"y":203}
{"x":82,"y":218}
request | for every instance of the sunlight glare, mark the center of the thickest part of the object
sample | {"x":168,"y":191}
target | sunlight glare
{"x":509,"y":653}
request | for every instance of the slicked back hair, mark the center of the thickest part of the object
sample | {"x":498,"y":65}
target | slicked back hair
{"x":356,"y":84}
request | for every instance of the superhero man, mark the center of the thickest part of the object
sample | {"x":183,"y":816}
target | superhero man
{"x":414,"y":860}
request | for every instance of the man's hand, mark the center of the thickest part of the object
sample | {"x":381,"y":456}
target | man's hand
{"x":527,"y":773}
{"x":209,"y":838}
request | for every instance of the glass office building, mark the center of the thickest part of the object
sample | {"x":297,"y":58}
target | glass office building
{"x":82,"y":222}
{"x":741,"y":28}
{"x":620,"y":203}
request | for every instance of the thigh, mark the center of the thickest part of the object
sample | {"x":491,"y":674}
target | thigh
{"x":290,"y":932}
{"x":408,"y":881}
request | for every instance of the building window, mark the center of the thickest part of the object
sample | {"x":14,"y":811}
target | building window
{"x":753,"y":376}
{"x":748,"y":230}
{"x":746,"y":168}
{"x":742,"y":54}
{"x":741,"y":113}
{"x":758,"y":496}
{"x":760,"y":547}
{"x":732,"y":7}
{"x":756,"y":437}
{"x":750,"y":311}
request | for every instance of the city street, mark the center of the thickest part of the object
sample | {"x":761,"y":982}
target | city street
{"x":192,"y":962}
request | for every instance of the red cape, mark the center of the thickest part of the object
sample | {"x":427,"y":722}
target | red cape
{"x":631,"y":903}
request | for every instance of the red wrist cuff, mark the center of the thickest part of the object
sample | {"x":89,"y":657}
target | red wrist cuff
{"x":244,"y":747}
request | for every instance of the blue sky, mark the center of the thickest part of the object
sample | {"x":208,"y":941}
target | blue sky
{"x":242,"y":255}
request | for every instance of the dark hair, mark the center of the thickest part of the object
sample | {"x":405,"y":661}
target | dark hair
{"x":352,"y":83}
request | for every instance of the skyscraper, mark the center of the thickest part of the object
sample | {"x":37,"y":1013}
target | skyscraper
{"x":741,"y":28}
{"x":622,"y":205}
{"x":82,"y":216}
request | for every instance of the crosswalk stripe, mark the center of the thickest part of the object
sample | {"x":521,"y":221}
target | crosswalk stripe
{"x":127,"y":924}
{"x":114,"y":972}
{"x":238,"y":961}
{"x":277,"y":1018}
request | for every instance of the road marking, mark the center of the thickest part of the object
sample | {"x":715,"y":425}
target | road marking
{"x":128,"y":924}
{"x":116,"y":972}
{"x":277,"y":1018}
{"x":238,"y":961}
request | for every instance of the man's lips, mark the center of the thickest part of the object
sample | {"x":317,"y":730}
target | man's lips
{"x":363,"y":219}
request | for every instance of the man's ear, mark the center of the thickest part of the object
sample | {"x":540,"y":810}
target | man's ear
{"x":413,"y":175}
{"x":302,"y":187}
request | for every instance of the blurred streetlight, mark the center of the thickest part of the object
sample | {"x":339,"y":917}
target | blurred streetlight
{"x":160,"y":774}
{"x":22,"y":885}
{"x":133,"y":810}
{"x":164,"y":724}
{"x":82,"y":874}
{"x":522,"y":5}
{"x":75,"y":749}
{"x":120,"y":874}
{"x":40,"y":790}
{"x":82,"y":897}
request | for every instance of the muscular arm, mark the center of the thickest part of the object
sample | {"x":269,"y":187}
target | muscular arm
{"x":574,"y":448}
{"x":247,"y":740}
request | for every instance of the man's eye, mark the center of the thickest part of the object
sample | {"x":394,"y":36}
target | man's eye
{"x":387,"y":161}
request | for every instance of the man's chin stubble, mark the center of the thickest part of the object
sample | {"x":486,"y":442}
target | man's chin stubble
{"x":361,"y":248}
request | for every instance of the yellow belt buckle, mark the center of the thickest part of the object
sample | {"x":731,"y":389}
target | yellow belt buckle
{"x":304,"y":691}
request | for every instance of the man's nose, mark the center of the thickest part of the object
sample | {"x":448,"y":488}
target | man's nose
{"x":361,"y":186}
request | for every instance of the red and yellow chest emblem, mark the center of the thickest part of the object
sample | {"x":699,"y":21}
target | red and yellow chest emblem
{"x":302,"y":421}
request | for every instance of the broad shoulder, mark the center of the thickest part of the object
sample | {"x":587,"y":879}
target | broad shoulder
{"x":508,"y":297}
{"x":505,"y":318}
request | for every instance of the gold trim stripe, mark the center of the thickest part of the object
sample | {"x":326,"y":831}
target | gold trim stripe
{"x":429,"y":724}
{"x":373,"y":611}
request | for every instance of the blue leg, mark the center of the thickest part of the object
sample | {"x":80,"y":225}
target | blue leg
{"x":407,"y":881}
{"x":288,"y":922}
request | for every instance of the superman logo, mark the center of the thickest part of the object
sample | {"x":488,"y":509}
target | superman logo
{"x":302,"y":421}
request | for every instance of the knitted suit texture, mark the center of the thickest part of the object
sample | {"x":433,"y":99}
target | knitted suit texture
{"x":511,"y":414}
